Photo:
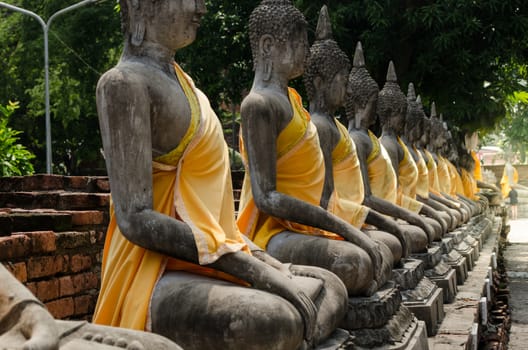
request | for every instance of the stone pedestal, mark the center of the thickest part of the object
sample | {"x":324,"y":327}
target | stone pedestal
{"x":426,"y":301}
{"x":382,"y":322}
{"x":458,"y":263}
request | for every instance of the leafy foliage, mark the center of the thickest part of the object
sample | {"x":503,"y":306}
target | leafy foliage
{"x":467,"y":56}
{"x":15,"y":159}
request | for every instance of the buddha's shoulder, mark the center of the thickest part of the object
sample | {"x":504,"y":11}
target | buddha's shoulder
{"x":127,"y":73}
{"x":265,"y":100}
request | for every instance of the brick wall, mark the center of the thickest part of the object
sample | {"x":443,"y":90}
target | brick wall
{"x":52,"y":234}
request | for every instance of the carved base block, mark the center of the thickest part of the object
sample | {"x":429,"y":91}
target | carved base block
{"x":467,"y":252}
{"x":431,"y":258}
{"x":457,"y":235}
{"x":461,"y":270}
{"x":410,"y":274}
{"x":374,"y":311}
{"x":405,"y":331}
{"x":473,"y":243}
{"x":429,"y":309}
{"x":448,"y":283}
{"x":447,"y":245}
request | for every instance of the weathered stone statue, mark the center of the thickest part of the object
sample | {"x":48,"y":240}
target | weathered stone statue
{"x":26,"y":324}
{"x":326,"y":82}
{"x":438,"y":199}
{"x":174,"y":261}
{"x":378,"y":177}
{"x":280,"y":204}
{"x":392,"y":108}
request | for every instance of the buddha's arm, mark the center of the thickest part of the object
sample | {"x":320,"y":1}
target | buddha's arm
{"x":394,"y":150}
{"x":24,"y":321}
{"x":383,"y":206}
{"x":427,"y":210}
{"x":124,"y":117}
{"x":327,"y":143}
{"x":482,"y":184}
{"x":260,"y":136}
{"x":388,"y":208}
{"x":125,"y":128}
{"x":387,"y":225}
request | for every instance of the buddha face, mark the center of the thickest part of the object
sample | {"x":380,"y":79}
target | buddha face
{"x":296,"y":52}
{"x":336,"y":89}
{"x":175,"y":22}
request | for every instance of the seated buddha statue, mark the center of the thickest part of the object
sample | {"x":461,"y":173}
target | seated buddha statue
{"x":392,"y":109}
{"x":325,"y":80}
{"x":280,"y":201}
{"x":174,"y":262}
{"x":26,"y":324}
{"x":437,"y":199}
{"x":376,"y":171}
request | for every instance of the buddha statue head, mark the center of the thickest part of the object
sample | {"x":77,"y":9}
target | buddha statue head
{"x":362,"y":93}
{"x":327,"y":69}
{"x":278,"y":37}
{"x":392,"y":104}
{"x":437,"y":131}
{"x":173,"y":24}
{"x":414,"y":119}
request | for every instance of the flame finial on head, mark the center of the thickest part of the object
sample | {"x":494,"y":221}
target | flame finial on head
{"x":411,"y":93}
{"x":359,"y":57}
{"x":433,"y":110}
{"x":324,"y":25}
{"x":391,"y":73}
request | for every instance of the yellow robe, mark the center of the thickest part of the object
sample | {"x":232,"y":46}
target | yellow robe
{"x":300,"y":174}
{"x":477,"y":172}
{"x":434,"y":186}
{"x":506,"y":182}
{"x":348,"y":181}
{"x":407,"y":180}
{"x":382,"y":177}
{"x":422,"y":185}
{"x":457,"y":187}
{"x":192,"y":184}
{"x":444,"y":177}
{"x":470,"y":184}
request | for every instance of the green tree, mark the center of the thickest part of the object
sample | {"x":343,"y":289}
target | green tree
{"x":15,"y":159}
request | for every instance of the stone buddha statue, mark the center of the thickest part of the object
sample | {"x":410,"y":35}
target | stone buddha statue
{"x":26,"y":324}
{"x":281,"y":195}
{"x":439,"y":198}
{"x":392,"y":109}
{"x":325,"y":79}
{"x":174,"y":261}
{"x":377,"y":173}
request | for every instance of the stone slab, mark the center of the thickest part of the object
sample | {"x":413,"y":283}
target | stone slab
{"x":448,"y":283}
{"x":431,"y":311}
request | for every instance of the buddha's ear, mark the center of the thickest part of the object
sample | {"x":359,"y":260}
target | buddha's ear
{"x":318,"y":83}
{"x":266,"y":43}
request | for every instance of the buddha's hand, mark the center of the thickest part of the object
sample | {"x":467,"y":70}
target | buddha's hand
{"x":277,"y":283}
{"x":35,"y":329}
{"x":375,"y":253}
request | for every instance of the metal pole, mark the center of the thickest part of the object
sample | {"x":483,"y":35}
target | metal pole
{"x":45,"y":28}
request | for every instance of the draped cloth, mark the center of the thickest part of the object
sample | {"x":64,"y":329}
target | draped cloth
{"x":300,"y":173}
{"x":457,"y":186}
{"x":191,"y":183}
{"x":382,"y":177}
{"x":407,"y":180}
{"x":434,"y":186}
{"x":444,"y":177}
{"x":477,"y":171}
{"x":469,"y":183}
{"x":510,"y":177}
{"x":348,"y":181}
{"x":422,"y":185}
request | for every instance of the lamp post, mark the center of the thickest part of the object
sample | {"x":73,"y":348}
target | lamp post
{"x":45,"y":28}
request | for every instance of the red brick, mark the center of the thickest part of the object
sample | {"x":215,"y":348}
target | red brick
{"x":87,"y":217}
{"x":61,"y":308}
{"x":48,"y":290}
{"x":103,"y":185}
{"x":84,"y":282}
{"x":84,"y":304}
{"x":46,"y":266}
{"x":66,"y":286}
{"x":42,"y":242}
{"x":80,"y":262}
{"x":70,"y":240}
{"x":12,"y":247}
{"x":18,"y":270}
{"x":78,"y":182}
